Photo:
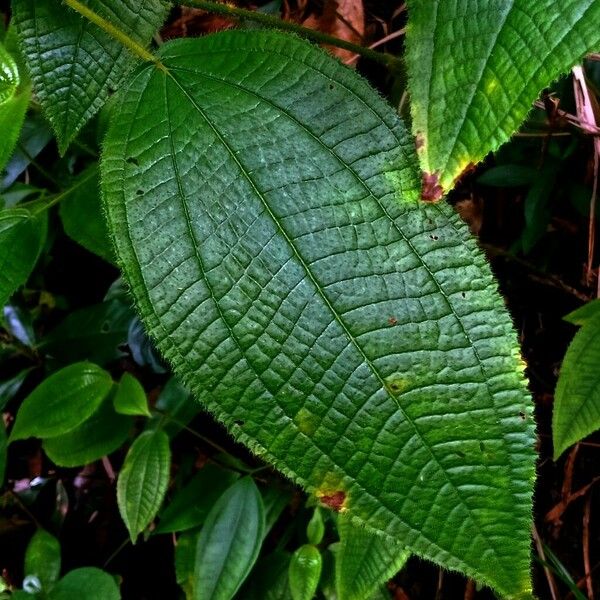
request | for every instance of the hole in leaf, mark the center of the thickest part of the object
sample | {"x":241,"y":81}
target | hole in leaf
{"x":133,"y":161}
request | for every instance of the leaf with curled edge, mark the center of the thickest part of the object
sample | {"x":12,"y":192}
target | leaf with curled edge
{"x":264,"y":204}
{"x":476,"y":67}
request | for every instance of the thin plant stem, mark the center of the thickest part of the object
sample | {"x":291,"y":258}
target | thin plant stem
{"x":135,"y":48}
{"x":275,"y":22}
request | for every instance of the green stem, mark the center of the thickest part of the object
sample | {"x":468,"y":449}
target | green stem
{"x":275,"y":22}
{"x":114,"y":32}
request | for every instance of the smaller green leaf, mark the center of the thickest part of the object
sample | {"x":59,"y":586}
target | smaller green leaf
{"x":93,"y":333}
{"x":192,"y":503}
{"x":364,"y":561}
{"x":305,"y":572}
{"x":82,"y":216}
{"x":22,"y":237}
{"x":185,"y":555}
{"x":9,"y":75}
{"x":585,"y":313}
{"x":62,"y":401}
{"x":229,"y":542}
{"x":130,"y":398}
{"x":576,"y":411}
{"x":316,"y":528}
{"x":88,"y":583}
{"x":143,"y":480}
{"x":42,"y":559}
{"x":101,"y":434}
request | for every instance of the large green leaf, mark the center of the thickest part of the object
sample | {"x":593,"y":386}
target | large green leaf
{"x":62,"y":402}
{"x":364,"y":561}
{"x":22,"y":236}
{"x":229,"y":542}
{"x":75,"y":65}
{"x":476,"y":67}
{"x":264,"y":203}
{"x":143,"y":480}
{"x":576,"y":411}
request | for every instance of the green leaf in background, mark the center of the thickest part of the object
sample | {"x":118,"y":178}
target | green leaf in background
{"x":143,"y":481}
{"x":576,"y":411}
{"x":98,"y":436}
{"x":178,"y":403}
{"x":269,"y":579}
{"x":42,"y":559}
{"x":62,"y":401}
{"x":82,"y":217}
{"x":10,"y":387}
{"x":94,"y":333}
{"x":88,"y":583}
{"x":55,"y":41}
{"x":229,"y":542}
{"x":130,"y":397}
{"x":508,"y":176}
{"x":344,"y":331}
{"x":315,"y":530}
{"x":185,"y":555}
{"x":475,"y":69}
{"x":13,"y":104}
{"x":274,"y":500}
{"x":304,"y":572}
{"x":22,"y":237}
{"x":192,"y":503}
{"x":364,"y":561}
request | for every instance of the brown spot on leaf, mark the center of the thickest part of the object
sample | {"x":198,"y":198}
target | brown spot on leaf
{"x":431,"y":191}
{"x":334,"y":500}
{"x":419,"y":141}
{"x":392,"y":321}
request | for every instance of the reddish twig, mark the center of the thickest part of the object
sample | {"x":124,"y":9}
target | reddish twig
{"x":586,"y":547}
{"x":548,"y":573}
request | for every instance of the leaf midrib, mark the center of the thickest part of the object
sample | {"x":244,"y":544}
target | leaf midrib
{"x":324,"y":297}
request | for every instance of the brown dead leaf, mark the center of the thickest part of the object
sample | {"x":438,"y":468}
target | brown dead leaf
{"x":344,"y":19}
{"x":193,"y":22}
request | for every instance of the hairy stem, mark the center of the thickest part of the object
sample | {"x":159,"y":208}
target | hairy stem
{"x":135,"y":48}
{"x":275,"y":22}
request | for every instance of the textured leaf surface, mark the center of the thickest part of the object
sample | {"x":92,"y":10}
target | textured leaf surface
{"x":62,"y":401}
{"x":576,"y":411}
{"x":21,"y":239}
{"x":476,"y":67}
{"x":74,"y":65}
{"x":143,"y":480}
{"x":229,"y":542}
{"x":364,"y":561}
{"x":264,"y":201}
